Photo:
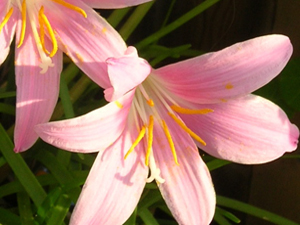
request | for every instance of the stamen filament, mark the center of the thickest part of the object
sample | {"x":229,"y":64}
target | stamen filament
{"x":44,"y":21}
{"x":72,"y":7}
{"x":135,"y":143}
{"x":186,"y":129}
{"x":6,"y":18}
{"x":171,"y":143}
{"x":150,"y":139}
{"x":190,"y":111}
{"x":22,"y":35}
{"x":149,"y":100}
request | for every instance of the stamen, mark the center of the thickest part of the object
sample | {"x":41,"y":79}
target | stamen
{"x":171,"y":143}
{"x":149,"y":100}
{"x":135,"y":143}
{"x":44,"y":21}
{"x":72,"y":7}
{"x":6,"y":18}
{"x":150,"y":139}
{"x":23,"y":11}
{"x":190,"y":111}
{"x":186,"y":129}
{"x":119,"y":104}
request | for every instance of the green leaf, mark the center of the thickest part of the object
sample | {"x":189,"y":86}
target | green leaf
{"x":147,"y":217}
{"x":8,"y":94}
{"x":60,"y":210}
{"x":7,"y":109}
{"x":216,"y":163}
{"x":254,"y":211}
{"x":9,"y":218}
{"x":25,"y":209}
{"x":177,"y":23}
{"x":228,"y":215}
{"x":21,"y":170}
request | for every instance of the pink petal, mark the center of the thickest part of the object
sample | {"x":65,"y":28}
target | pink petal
{"x":87,"y":41}
{"x":247,"y":130}
{"x":7,"y":33}
{"x":37,"y":93}
{"x":188,"y":189}
{"x":113,"y":4}
{"x":114,"y":185}
{"x":231,"y":72}
{"x":125,"y":73}
{"x":91,"y":132}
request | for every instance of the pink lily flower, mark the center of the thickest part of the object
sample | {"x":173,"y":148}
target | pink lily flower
{"x":157,"y":118}
{"x":44,"y":29}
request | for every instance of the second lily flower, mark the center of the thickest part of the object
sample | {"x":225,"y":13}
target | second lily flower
{"x":156,"y":118}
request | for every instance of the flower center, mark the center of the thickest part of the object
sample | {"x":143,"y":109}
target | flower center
{"x":146,"y":115}
{"x":34,"y":9}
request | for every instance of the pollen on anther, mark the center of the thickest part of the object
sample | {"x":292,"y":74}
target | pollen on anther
{"x":186,"y":129}
{"x":6,"y":18}
{"x":190,"y":111}
{"x":150,"y":102}
{"x":228,"y":86}
{"x":150,"y":139}
{"x":119,"y":104}
{"x":170,"y":141}
{"x":137,"y":140}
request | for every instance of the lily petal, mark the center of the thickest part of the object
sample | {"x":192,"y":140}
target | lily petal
{"x":114,"y":185}
{"x":121,"y":75}
{"x":232,"y":72}
{"x":7,"y":33}
{"x":188,"y":189}
{"x":113,"y":4}
{"x":37,"y":93}
{"x":85,"y":133}
{"x":246,"y":130}
{"x":87,"y":41}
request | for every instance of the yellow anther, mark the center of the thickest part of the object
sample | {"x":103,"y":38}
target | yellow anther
{"x":23,"y":11}
{"x":150,"y":102}
{"x":171,"y":143}
{"x":228,"y":86}
{"x":150,"y":139}
{"x":119,"y":104}
{"x":6,"y":18}
{"x":190,"y":111}
{"x":186,"y":129}
{"x":43,"y":20}
{"x":135,"y":143}
{"x":72,"y":7}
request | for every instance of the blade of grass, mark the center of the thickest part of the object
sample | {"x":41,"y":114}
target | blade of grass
{"x":117,"y":16}
{"x":135,"y":19}
{"x":147,"y":217}
{"x":177,"y":23}
{"x":21,"y":170}
{"x":254,"y":211}
{"x":25,"y":209}
{"x":60,"y":210}
{"x":9,"y":218}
